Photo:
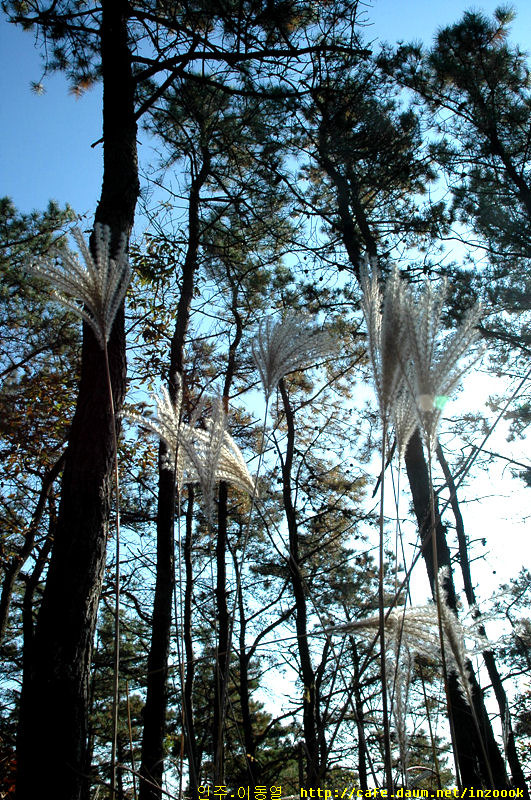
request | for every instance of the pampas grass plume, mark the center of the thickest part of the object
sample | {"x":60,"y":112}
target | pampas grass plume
{"x":99,"y":284}
{"x":417,"y":628}
{"x":285,"y":346}
{"x":386,"y":334}
{"x":434,"y":364}
{"x":205,"y":456}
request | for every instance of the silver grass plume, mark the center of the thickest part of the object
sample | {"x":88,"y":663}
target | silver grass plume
{"x":205,"y":456}
{"x":167,"y":426}
{"x":100,"y":284}
{"x":417,"y":627}
{"x":386,"y":334}
{"x":405,"y":419}
{"x":434,"y":368}
{"x":455,"y":635}
{"x":285,"y":346}
{"x":230,"y":466}
{"x":213,"y":456}
{"x":399,"y":670}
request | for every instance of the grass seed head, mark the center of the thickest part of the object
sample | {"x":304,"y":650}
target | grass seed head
{"x":287,"y":345}
{"x":99,"y":283}
{"x":199,"y":455}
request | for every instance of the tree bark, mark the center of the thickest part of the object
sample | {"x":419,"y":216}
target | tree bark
{"x":309,"y":712}
{"x":52,"y":749}
{"x":194,"y":765}
{"x":222,"y":654}
{"x":475,"y":772}
{"x":224,"y":623}
{"x":152,"y":760}
{"x":249,"y":739}
{"x":360,"y":717}
{"x":517,"y":772}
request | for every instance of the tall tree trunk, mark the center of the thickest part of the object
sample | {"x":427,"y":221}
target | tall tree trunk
{"x":154,"y":715}
{"x":472,"y":765}
{"x":517,"y":772}
{"x":224,"y":624}
{"x":475,"y":772}
{"x":188,"y":704}
{"x":360,"y":718}
{"x":152,"y":760}
{"x":249,"y":739}
{"x":52,"y":738}
{"x":221,"y":667}
{"x":309,"y":711}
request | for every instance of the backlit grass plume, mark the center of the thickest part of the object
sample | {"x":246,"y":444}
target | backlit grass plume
{"x":434,"y":366}
{"x":405,"y":419}
{"x":285,"y":346}
{"x":167,"y":426}
{"x":199,"y":455}
{"x":212,"y":456}
{"x":415,"y":366}
{"x":417,"y":629}
{"x":386,"y":334}
{"x":98,"y":284}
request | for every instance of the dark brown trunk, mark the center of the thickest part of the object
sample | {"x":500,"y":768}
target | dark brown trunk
{"x":309,"y":711}
{"x":322,"y":711}
{"x":154,"y":731}
{"x":474,"y":770}
{"x":52,"y":745}
{"x":360,"y":717}
{"x":224,"y":623}
{"x":253,"y":767}
{"x":222,"y":655}
{"x":194,"y":765}
{"x":252,"y":739}
{"x":154,"y":715}
{"x":488,"y":656}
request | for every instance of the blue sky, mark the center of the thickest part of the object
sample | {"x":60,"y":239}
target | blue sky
{"x":45,"y":140}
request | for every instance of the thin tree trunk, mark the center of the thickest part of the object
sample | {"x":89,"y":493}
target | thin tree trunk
{"x":360,"y":718}
{"x":154,"y":715}
{"x":224,"y":626}
{"x":313,"y":771}
{"x":53,"y":758}
{"x":17,"y":562}
{"x":488,"y":655}
{"x":253,"y":766}
{"x":222,"y":654}
{"x":154,"y":731}
{"x":188,"y":704}
{"x":31,"y":586}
